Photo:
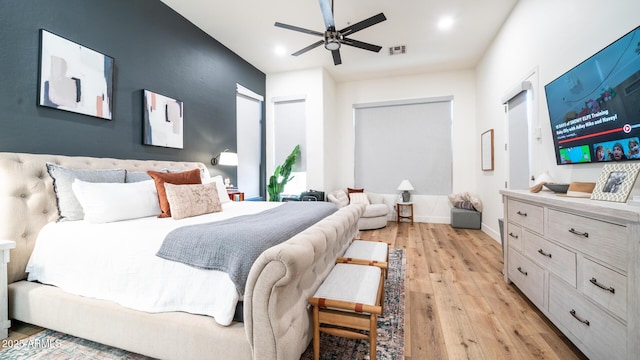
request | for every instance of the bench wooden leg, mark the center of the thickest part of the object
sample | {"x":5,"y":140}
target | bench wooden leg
{"x":316,"y":333}
{"x":373,"y":338}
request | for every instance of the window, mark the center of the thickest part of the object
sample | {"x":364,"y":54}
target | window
{"x":404,"y":140}
{"x":248,"y":140}
{"x":290,"y":130}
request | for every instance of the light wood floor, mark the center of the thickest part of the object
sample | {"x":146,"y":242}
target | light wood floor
{"x":457,"y":303}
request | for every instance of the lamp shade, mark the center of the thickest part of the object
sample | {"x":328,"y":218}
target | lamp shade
{"x":228,"y":158}
{"x":405,"y":185}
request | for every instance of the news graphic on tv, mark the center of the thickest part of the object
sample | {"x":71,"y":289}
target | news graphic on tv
{"x":595,"y":107}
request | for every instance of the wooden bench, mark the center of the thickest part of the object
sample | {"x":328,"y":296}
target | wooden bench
{"x":349,"y":299}
{"x":366,"y":252}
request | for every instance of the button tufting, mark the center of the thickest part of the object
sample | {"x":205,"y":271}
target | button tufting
{"x":23,"y":195}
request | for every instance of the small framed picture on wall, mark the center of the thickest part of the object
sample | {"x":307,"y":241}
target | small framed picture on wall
{"x":486,"y":147}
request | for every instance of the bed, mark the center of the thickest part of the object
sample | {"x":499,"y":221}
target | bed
{"x":277,"y":323}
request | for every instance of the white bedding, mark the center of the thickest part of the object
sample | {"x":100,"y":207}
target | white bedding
{"x":117,"y":262}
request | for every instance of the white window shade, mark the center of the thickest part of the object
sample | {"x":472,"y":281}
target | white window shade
{"x":404,"y":140}
{"x":290,"y":130}
{"x":249,"y":141}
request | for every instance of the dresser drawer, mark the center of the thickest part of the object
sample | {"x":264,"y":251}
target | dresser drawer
{"x":600,"y":333}
{"x":599,"y":239}
{"x":527,"y":215}
{"x":552,"y":257}
{"x":605,"y":286}
{"x":514,"y":236}
{"x":528,"y":276}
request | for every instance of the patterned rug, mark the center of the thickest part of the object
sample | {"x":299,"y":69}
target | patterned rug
{"x":53,"y":345}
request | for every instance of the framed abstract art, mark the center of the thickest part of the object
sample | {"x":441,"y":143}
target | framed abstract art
{"x":75,"y":78}
{"x":163,"y":120}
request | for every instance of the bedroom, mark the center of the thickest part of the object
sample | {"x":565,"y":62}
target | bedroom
{"x":522,"y":45}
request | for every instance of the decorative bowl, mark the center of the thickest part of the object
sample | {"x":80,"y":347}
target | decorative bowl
{"x":558,"y":188}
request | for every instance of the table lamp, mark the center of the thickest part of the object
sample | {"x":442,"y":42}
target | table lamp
{"x":405,"y":186}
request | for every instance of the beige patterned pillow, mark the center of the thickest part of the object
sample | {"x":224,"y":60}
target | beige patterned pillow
{"x":191,"y":200}
{"x":359,"y":198}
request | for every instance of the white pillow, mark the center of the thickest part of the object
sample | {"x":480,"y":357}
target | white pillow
{"x":359,"y":198}
{"x":222,"y":190}
{"x":107,"y":202}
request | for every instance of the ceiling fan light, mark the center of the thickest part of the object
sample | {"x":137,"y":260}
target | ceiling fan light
{"x":332,"y":44}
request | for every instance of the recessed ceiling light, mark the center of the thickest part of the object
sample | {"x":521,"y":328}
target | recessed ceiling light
{"x":280,"y":50}
{"x":445,"y":23}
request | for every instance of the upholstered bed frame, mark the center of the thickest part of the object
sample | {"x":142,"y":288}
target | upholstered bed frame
{"x":277,"y":323}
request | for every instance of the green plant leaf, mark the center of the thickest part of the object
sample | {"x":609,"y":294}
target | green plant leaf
{"x":282,"y":175}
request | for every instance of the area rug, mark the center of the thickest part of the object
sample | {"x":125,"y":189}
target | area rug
{"x":390,"y":344}
{"x":53,"y":345}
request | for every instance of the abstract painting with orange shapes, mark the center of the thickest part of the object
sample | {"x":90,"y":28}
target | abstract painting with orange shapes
{"x":163,"y":120}
{"x":75,"y":78}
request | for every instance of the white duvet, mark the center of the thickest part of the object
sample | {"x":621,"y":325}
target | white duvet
{"x":117,"y":262}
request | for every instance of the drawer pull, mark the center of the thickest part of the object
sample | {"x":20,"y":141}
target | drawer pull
{"x":513,"y":235}
{"x":573,"y":313}
{"x":541,"y":252}
{"x":521,"y":213}
{"x":596,"y":283}
{"x":522,"y":271}
{"x":573,"y":231}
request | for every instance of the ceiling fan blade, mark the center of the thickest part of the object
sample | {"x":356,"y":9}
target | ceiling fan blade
{"x":363,"y":24}
{"x":337,"y":60}
{"x":326,"y":7}
{"x":296,"y":28}
{"x":312,"y":46}
{"x":361,"y":45}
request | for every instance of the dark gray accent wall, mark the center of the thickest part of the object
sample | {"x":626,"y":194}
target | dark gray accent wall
{"x":154,"y":48}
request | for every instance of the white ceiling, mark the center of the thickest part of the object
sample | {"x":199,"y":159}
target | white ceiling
{"x":247,"y":28}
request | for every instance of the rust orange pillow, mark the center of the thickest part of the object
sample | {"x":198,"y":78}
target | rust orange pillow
{"x":181,"y":178}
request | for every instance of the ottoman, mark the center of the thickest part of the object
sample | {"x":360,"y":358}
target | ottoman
{"x":465,"y":219}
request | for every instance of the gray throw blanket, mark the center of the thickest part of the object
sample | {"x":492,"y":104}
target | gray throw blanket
{"x":233,"y":245}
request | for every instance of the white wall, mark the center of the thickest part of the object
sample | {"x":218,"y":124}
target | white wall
{"x":331,"y":135}
{"x":466,"y":156}
{"x":547,"y":37}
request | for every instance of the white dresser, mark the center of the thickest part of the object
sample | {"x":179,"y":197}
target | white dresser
{"x":578,"y":261}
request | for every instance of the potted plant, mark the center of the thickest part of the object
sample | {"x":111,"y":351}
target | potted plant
{"x":282,"y":175}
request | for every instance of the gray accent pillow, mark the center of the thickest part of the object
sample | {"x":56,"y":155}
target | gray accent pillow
{"x":68,"y":206}
{"x":136,"y":176}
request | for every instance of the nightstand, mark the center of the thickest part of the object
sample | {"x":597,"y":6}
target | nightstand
{"x":404,"y":210}
{"x":5,"y":323}
{"x":236,"y":196}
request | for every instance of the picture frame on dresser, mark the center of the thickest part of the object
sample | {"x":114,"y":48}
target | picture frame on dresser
{"x":615,"y":182}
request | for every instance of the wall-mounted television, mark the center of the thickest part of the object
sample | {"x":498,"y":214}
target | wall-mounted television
{"x":594,"y":108}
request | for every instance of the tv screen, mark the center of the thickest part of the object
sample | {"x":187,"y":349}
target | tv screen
{"x":594,"y":108}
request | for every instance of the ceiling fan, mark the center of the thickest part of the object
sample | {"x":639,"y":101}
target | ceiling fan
{"x":333,"y":39}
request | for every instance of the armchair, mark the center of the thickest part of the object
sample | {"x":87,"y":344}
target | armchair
{"x":375,"y":214}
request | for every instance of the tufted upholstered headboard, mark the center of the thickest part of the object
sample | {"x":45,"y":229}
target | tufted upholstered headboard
{"x":28,"y":202}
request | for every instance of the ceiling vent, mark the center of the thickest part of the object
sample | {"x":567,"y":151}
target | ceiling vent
{"x":397,"y":50}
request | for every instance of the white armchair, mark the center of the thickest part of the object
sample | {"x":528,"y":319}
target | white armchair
{"x":375,"y":214}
